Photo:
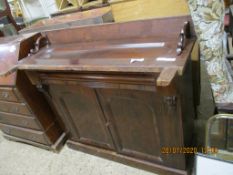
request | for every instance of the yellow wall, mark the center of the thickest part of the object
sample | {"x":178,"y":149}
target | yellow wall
{"x":144,"y":9}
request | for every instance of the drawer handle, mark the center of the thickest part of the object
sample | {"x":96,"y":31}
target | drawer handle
{"x":15,"y":109}
{"x":5,"y":95}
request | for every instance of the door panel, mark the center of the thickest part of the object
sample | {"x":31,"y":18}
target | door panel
{"x":131,"y":118}
{"x":81,"y":112}
{"x":141,"y":123}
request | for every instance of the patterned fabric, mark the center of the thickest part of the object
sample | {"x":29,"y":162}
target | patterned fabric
{"x":208,"y":18}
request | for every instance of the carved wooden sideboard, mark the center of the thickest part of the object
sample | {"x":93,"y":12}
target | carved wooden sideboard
{"x":25,"y":115}
{"x":123,"y":91}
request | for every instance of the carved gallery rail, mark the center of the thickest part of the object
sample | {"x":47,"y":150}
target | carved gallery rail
{"x":124,"y":94}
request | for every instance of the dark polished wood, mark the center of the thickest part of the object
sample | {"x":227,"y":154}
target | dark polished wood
{"x":17,"y":108}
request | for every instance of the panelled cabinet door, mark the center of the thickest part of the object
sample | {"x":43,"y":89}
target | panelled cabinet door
{"x":142,"y":123}
{"x":82,"y":114}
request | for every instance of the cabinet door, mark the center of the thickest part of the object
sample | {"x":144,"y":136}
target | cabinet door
{"x":142,"y":123}
{"x":83,"y":117}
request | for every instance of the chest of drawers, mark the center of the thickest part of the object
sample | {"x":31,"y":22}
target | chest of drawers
{"x":25,"y":115}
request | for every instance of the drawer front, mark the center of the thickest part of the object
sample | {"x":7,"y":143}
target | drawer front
{"x":19,"y":120}
{"x":7,"y":94}
{"x":132,"y":82}
{"x":15,"y":108}
{"x":28,"y":134}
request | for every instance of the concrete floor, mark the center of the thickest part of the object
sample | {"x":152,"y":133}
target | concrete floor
{"x":22,"y":159}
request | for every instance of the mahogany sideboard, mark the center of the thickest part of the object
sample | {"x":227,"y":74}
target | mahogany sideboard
{"x":25,"y":115}
{"x":123,"y":91}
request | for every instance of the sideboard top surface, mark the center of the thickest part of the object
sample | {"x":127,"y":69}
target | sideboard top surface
{"x":137,"y":46}
{"x":12,"y":49}
{"x":145,"y":46}
{"x":138,"y":55}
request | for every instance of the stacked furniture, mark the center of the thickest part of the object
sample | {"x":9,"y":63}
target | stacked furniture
{"x":124,"y":91}
{"x":126,"y":95}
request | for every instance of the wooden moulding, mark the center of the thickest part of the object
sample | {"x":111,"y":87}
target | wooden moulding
{"x":56,"y":147}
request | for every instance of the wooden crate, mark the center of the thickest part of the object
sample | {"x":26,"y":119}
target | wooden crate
{"x":67,"y":4}
{"x":127,"y":10}
{"x":87,"y":4}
